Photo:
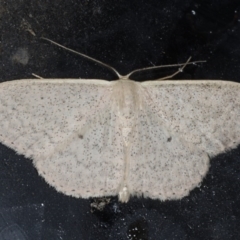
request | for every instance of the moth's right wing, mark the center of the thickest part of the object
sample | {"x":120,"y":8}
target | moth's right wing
{"x":69,"y":130}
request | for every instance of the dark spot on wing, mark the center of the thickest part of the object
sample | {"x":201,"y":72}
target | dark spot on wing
{"x":80,"y":136}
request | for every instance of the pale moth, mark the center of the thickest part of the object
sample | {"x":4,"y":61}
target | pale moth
{"x":94,"y":138}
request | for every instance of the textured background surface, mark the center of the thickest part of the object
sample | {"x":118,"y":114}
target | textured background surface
{"x":127,"y":35}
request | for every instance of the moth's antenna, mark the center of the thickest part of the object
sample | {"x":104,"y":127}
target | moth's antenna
{"x":83,"y":55}
{"x":37,"y":76}
{"x":177,"y":72}
{"x":164,"y":66}
{"x":128,"y":75}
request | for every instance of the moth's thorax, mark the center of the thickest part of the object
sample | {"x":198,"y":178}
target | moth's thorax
{"x":128,"y":98}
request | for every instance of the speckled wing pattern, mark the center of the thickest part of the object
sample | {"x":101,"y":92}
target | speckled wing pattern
{"x":88,"y":140}
{"x":67,"y":127}
{"x":180,"y":126}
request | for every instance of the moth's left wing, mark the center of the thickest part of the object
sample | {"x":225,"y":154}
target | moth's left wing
{"x":205,"y":113}
{"x":179,"y":125}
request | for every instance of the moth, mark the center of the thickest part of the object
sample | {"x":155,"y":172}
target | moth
{"x":95,"y":138}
